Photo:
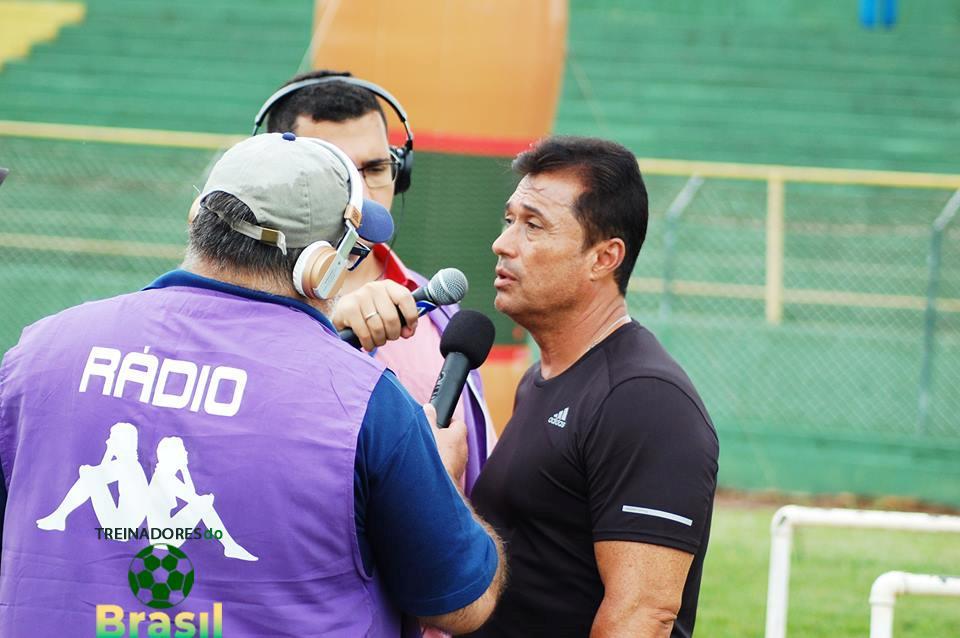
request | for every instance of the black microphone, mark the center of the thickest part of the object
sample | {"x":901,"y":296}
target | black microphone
{"x":448,"y":286}
{"x":3,"y":174}
{"x":465,"y":344}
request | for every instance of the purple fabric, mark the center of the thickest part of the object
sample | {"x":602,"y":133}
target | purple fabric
{"x":280,"y":469}
{"x":473,"y":412}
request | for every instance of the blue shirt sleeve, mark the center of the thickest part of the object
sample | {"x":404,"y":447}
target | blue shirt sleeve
{"x":414,"y":529}
{"x":3,"y":505}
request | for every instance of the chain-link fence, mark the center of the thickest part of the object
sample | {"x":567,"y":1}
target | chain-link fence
{"x":823,"y":377}
{"x":86,"y":220}
{"x":860,"y":359}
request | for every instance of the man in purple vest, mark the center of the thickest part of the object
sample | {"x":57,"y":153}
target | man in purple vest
{"x":206,"y":458}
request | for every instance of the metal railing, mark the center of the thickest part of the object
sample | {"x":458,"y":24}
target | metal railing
{"x":776,"y":178}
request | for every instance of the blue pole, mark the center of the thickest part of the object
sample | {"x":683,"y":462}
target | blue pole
{"x":868,"y":13}
{"x":677,"y":206}
{"x":929,"y":330}
{"x":889,"y":13}
{"x":937,"y":230}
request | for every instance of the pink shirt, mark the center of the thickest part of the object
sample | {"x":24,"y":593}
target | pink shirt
{"x":416,"y":361}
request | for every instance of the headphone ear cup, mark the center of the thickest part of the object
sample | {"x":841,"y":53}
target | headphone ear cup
{"x":312,"y":265}
{"x":405,"y":171}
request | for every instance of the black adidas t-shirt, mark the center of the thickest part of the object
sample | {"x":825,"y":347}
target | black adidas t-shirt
{"x":618,"y":447}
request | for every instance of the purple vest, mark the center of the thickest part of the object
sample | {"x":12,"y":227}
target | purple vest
{"x":176,"y":413}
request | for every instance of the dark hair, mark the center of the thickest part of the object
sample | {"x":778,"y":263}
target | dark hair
{"x":331,"y":101}
{"x":214,"y":240}
{"x":614,"y":199}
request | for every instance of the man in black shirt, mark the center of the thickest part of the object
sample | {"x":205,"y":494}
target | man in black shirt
{"x":602,"y":485}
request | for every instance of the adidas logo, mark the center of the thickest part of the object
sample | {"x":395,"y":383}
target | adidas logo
{"x":559,"y":419}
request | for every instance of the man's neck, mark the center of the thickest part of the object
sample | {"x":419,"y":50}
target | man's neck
{"x":245,"y":280}
{"x":210,"y":270}
{"x":572,"y":334}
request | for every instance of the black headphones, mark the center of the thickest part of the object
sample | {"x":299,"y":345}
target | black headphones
{"x":403,"y":154}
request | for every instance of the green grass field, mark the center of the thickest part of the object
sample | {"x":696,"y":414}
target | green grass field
{"x":832,"y":571}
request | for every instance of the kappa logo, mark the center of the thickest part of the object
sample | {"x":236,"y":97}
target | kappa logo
{"x":156,"y":501}
{"x":559,"y":419}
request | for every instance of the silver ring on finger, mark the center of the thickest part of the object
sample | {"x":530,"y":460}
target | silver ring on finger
{"x":369,"y":315}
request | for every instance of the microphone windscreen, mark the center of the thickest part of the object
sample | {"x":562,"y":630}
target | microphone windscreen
{"x":448,"y":286}
{"x":471,"y":333}
{"x":377,"y":224}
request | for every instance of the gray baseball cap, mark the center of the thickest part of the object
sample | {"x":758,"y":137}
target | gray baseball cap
{"x":293,"y":185}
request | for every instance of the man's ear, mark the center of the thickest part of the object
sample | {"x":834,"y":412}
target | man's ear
{"x":608,"y":255}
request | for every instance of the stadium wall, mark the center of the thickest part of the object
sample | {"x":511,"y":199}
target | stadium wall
{"x":825,"y":400}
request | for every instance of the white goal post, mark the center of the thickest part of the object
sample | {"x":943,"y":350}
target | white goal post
{"x":886,"y":588}
{"x":789,"y":517}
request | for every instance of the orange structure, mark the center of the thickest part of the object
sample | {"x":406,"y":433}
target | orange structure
{"x":479,"y":77}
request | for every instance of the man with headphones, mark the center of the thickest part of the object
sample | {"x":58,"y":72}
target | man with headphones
{"x":345,"y":111}
{"x":343,"y":518}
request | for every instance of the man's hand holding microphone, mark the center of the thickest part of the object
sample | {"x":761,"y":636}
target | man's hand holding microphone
{"x":377,"y":312}
{"x":382,"y":311}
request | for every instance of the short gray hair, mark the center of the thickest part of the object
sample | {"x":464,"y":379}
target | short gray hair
{"x":213,"y":240}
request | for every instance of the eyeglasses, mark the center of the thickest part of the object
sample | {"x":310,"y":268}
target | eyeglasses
{"x":380,"y":174}
{"x":358,"y":253}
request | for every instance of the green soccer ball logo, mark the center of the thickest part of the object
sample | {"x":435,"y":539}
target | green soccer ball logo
{"x":161,"y":576}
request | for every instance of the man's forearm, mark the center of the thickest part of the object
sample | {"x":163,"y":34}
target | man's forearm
{"x":623,"y":620}
{"x":471,"y":617}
